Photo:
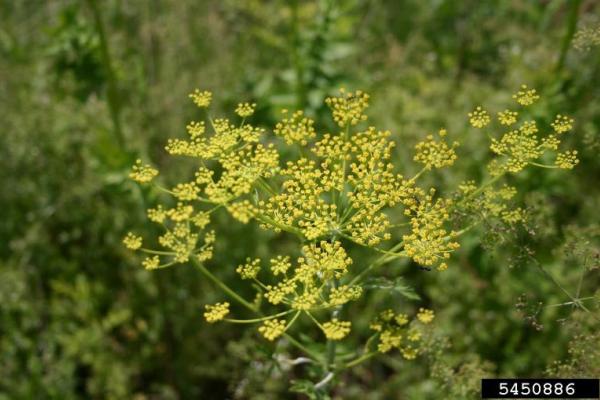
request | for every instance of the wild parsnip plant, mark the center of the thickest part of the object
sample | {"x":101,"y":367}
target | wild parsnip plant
{"x":336,"y":193}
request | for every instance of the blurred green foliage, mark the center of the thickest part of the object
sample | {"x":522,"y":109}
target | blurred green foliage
{"x":80,"y":319}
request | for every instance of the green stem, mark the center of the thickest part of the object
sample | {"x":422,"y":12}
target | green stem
{"x":571,"y":25}
{"x":543,"y":165}
{"x":254,"y":320}
{"x":360,"y":359}
{"x":112,"y":92}
{"x":223,"y":286}
{"x":379,"y":261}
{"x":301,"y":346}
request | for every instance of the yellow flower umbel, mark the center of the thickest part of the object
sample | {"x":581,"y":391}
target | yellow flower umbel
{"x":245,"y":110}
{"x":336,"y":330}
{"x":425,"y":315}
{"x":132,"y":242}
{"x":507,"y":117}
{"x":201,"y":98}
{"x":272,"y":329}
{"x":250,"y":269}
{"x":479,"y":118}
{"x":295,"y":128}
{"x":395,"y":331}
{"x":526,"y":96}
{"x":216,"y":312}
{"x":142,"y":173}
{"x":562,"y":124}
{"x":347,"y":108}
{"x":522,"y":146}
{"x":435,"y":153}
{"x":332,"y":191}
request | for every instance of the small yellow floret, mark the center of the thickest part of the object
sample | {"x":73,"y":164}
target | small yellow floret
{"x":132,"y":242}
{"x":250,"y":269}
{"x":201,"y":99}
{"x":216,"y":312}
{"x":142,"y":173}
{"x":507,"y":117}
{"x":479,"y":118}
{"x":272,"y":329}
{"x":336,"y":330}
{"x":347,"y":108}
{"x":151,"y":262}
{"x":562,"y":124}
{"x":526,"y":96}
{"x":567,"y":160}
{"x":425,"y":316}
{"x":245,"y":109}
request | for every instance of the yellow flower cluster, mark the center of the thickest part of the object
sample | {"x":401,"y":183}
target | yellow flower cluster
{"x":305,"y":285}
{"x":142,"y":173}
{"x":429,"y":242}
{"x":526,"y":96}
{"x":273,"y":328}
{"x":435,"y":153}
{"x":151,"y":262}
{"x":245,"y":110}
{"x":567,"y":160}
{"x":425,"y":315}
{"x":336,"y":330}
{"x":522,"y":146}
{"x":340,"y":188}
{"x":562,"y":124}
{"x":132,"y":242}
{"x":479,"y":118}
{"x":280,"y":265}
{"x":296,"y":128}
{"x":250,"y":269}
{"x":216,"y":312}
{"x":396,"y":332}
{"x":348,"y":107}
{"x":507,"y":117}
{"x":492,"y":202}
{"x":201,"y":98}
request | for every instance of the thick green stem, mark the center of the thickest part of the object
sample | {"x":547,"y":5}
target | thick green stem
{"x":112,"y":92}
{"x":571,"y":26}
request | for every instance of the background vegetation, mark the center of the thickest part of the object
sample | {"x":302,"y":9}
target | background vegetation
{"x":88,"y":86}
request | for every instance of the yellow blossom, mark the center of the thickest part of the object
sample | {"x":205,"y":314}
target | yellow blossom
{"x":435,"y":153}
{"x":132,"y":242}
{"x":347,"y":108}
{"x":479,"y":118}
{"x":295,"y":128}
{"x":151,"y":262}
{"x":567,"y":160}
{"x":526,"y":96}
{"x":280,"y":265}
{"x":336,"y":330}
{"x":272,"y":328}
{"x":216,"y":312}
{"x":507,"y":117}
{"x":562,"y":124}
{"x":250,"y":269}
{"x":245,"y":109}
{"x":142,"y":173}
{"x":243,"y":211}
{"x":425,"y":316}
{"x":201,"y":98}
